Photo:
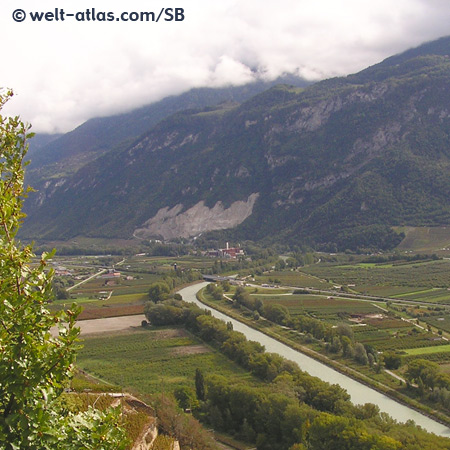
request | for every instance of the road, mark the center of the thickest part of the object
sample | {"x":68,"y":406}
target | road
{"x":93,"y":276}
{"x":87,"y":279}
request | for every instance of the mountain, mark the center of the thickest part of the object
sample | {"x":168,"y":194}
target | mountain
{"x":335,"y":164}
{"x":54,"y":158}
{"x":40,"y":141}
{"x":99,"y":135}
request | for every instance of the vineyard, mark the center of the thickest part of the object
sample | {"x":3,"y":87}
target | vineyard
{"x":149,"y":361}
{"x":441,"y":321}
{"x":294,"y":279}
{"x":402,"y":343}
{"x":434,"y":295}
{"x":321,"y":307}
{"x":424,"y":281}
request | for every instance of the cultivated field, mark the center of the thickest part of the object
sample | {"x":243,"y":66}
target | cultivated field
{"x":153,"y":361}
{"x":293,"y":278}
{"x":425,"y":239}
{"x":322,"y":307}
{"x":104,"y":295}
{"x":425,"y":281}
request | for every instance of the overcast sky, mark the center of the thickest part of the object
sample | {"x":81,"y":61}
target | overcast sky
{"x":65,"y":72}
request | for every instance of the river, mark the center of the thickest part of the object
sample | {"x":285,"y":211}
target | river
{"x":359,"y":392}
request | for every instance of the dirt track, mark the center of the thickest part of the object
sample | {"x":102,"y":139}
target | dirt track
{"x":108,"y":324}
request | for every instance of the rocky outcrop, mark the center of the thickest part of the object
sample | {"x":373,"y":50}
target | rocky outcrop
{"x":146,"y":440}
{"x":170,"y":223}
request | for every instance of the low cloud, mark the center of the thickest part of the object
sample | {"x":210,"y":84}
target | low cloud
{"x":67,"y":72}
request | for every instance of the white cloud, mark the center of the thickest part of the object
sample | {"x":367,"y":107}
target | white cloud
{"x":66,"y":72}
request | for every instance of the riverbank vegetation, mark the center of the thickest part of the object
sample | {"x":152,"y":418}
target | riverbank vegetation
{"x":290,"y":409}
{"x":343,"y":340}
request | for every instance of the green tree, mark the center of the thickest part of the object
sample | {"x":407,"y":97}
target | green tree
{"x":216,"y":291}
{"x":342,"y":433}
{"x":200,"y":384}
{"x":35,"y":366}
{"x":185,"y":398}
{"x":277,"y":313}
{"x":60,"y":292}
{"x":242,"y":297}
{"x":345,"y":330}
{"x":391,"y":360}
{"x":423,"y":372}
{"x":347,"y":347}
{"x":336,"y":345}
{"x":361,"y":354}
{"x":158,"y":291}
{"x":163,"y":314}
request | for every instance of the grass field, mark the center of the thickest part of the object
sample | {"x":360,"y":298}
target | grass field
{"x":434,"y":295}
{"x":428,"y":350}
{"x":151,"y":361}
{"x":267,"y":291}
{"x":295,"y":279}
{"x":386,"y":291}
{"x":127,"y":298}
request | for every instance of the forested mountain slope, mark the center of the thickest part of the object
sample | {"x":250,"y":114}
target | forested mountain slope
{"x":335,"y":164}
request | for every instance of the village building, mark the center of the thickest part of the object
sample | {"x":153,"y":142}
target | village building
{"x":231,"y":252}
{"x":226,"y":253}
{"x":112,"y":274}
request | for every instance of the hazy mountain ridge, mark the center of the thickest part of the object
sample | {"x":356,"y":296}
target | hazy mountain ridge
{"x":336,"y":163}
{"x":104,"y":133}
{"x":55,"y":158}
